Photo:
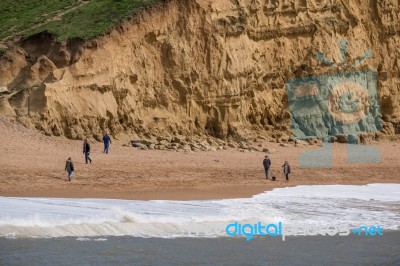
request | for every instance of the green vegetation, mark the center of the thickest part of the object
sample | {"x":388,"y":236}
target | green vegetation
{"x":65,"y":19}
{"x":3,"y":51}
{"x":21,"y":15}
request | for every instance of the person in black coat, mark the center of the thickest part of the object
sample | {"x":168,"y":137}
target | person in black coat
{"x":86,"y":151}
{"x":69,"y":167}
{"x":286,"y":170}
{"x":267,"y":166}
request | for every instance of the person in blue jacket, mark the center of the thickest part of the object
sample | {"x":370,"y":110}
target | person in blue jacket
{"x":107,"y":142}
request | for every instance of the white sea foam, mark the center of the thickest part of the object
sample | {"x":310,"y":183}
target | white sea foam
{"x":314,"y":205}
{"x":91,"y":239}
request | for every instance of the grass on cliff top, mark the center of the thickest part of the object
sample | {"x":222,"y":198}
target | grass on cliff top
{"x":66,"y":19}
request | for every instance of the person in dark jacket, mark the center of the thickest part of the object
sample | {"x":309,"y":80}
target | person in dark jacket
{"x":107,"y":142}
{"x":267,"y":166}
{"x":86,"y":151}
{"x":69,"y":167}
{"x":286,"y":170}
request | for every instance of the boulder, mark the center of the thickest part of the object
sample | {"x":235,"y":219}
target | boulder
{"x":147,"y":142}
{"x":186,"y":147}
{"x":244,"y":145}
{"x":163,"y":142}
{"x":194,"y":146}
{"x":232,"y":145}
{"x":143,"y":147}
{"x":220,"y":142}
{"x":178,"y":139}
{"x":159,"y":147}
{"x":135,"y":144}
{"x":255,"y":148}
{"x":204,"y":144}
{"x":269,"y":150}
{"x":341,"y":138}
{"x":352,"y":139}
{"x":299,"y":142}
{"x":388,"y":128}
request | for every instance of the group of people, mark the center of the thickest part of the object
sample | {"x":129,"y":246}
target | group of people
{"x":69,"y":165}
{"x":267,"y":167}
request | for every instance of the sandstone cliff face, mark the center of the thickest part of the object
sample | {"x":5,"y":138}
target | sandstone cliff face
{"x":197,"y":67}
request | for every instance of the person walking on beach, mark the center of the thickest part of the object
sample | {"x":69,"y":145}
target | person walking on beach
{"x":267,"y":166}
{"x":107,"y":142}
{"x":69,"y":167}
{"x":286,"y":170}
{"x":86,"y":151}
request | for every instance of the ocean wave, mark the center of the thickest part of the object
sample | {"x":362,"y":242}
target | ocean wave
{"x":375,"y":204}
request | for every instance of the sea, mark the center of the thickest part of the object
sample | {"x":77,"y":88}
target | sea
{"x":303,"y":225}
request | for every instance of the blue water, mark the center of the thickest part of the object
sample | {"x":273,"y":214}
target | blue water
{"x":317,"y":250}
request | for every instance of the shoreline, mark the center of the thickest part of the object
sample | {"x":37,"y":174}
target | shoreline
{"x":230,"y":192}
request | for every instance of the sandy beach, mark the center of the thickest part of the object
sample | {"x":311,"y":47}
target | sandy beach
{"x":32,"y":165}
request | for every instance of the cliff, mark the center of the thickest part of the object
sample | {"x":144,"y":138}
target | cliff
{"x":198,"y":67}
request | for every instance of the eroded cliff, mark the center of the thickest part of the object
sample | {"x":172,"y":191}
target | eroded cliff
{"x":198,"y":67}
